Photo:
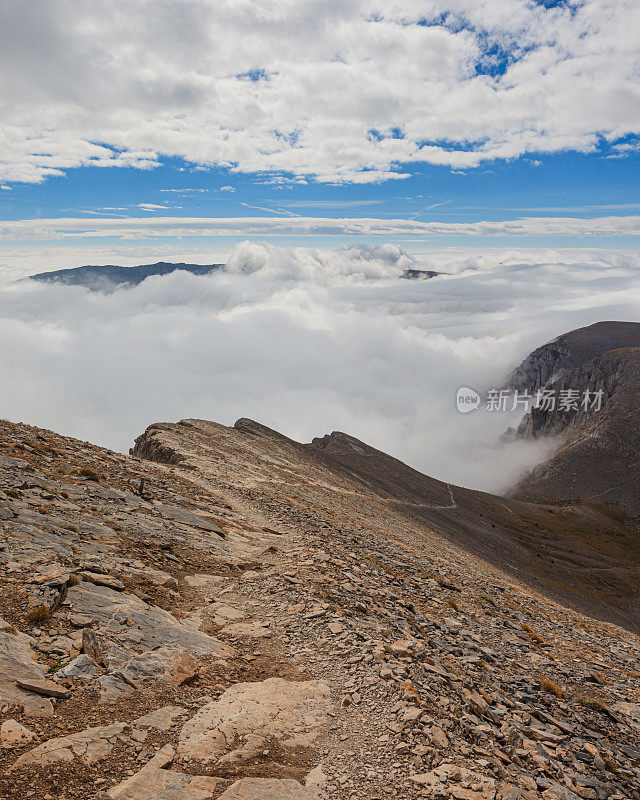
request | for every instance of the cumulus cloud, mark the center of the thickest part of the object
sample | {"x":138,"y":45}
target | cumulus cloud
{"x":352,"y":91}
{"x":308,"y":341}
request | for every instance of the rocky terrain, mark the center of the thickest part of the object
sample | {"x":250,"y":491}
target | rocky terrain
{"x":553,"y":360}
{"x":601,"y":360}
{"x":229,"y":614}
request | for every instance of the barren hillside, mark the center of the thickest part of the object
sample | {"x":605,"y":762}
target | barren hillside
{"x":248,"y":617}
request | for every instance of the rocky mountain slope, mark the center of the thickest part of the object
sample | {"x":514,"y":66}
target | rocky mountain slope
{"x":549,"y":363}
{"x":246,"y":617}
{"x":597,"y":460}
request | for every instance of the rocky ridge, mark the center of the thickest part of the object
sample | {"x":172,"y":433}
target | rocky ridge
{"x":252,"y":622}
{"x":550,"y":362}
{"x":596,"y":457}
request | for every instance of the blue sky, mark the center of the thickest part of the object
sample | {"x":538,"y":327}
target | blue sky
{"x":439,"y":114}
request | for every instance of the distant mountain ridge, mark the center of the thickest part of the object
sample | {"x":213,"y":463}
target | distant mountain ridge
{"x":109,"y":276}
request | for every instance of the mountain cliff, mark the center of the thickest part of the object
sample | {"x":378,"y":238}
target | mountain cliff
{"x":597,"y":458}
{"x":570,"y":351}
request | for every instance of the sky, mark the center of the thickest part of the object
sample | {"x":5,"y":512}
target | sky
{"x":317,"y":148}
{"x":178,"y":129}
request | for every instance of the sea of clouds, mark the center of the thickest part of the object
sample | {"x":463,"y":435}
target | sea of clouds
{"x":308,"y":341}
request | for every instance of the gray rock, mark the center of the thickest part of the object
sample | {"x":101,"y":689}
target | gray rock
{"x":17,"y":663}
{"x":89,"y":746}
{"x":268,"y":789}
{"x":83,"y":666}
{"x":168,"y":665}
{"x":249,"y":716}
{"x":130,"y":619}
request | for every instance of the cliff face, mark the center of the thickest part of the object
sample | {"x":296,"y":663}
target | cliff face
{"x":549,"y":363}
{"x":597,"y":458}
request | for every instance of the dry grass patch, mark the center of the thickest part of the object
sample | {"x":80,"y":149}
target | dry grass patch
{"x":547,"y":685}
{"x":532,"y":634}
{"x":38,"y":615}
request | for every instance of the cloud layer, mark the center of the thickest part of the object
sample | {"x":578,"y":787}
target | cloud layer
{"x":307,"y":341}
{"x":144,"y":227}
{"x":355,"y":90}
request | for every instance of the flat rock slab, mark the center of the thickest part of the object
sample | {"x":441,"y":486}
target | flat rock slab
{"x":132,"y":620}
{"x":103,"y":580}
{"x":13,"y":734}
{"x":89,"y":746}
{"x":162,"y":719}
{"x":152,"y":783}
{"x":267,"y":789}
{"x":247,"y":717}
{"x":170,"y":666}
{"x":225,"y":614}
{"x":188,"y":518}
{"x":249,"y":630}
{"x":17,"y":664}
{"x":44,"y":687}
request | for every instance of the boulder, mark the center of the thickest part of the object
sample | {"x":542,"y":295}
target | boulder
{"x":83,"y":667}
{"x":167,"y":665}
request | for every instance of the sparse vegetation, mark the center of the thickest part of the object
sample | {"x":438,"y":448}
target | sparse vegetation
{"x":38,"y":615}
{"x":532,"y":634}
{"x":485,"y":598}
{"x":12,"y":493}
{"x":547,"y":685}
{"x":88,"y":473}
{"x":594,"y":704}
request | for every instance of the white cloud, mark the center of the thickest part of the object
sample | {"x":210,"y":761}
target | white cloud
{"x":308,"y":341}
{"x":349,"y":91}
{"x":227,"y":189}
{"x":67,"y":228}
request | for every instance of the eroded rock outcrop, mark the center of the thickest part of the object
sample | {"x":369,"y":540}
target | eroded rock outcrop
{"x":249,"y":716}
